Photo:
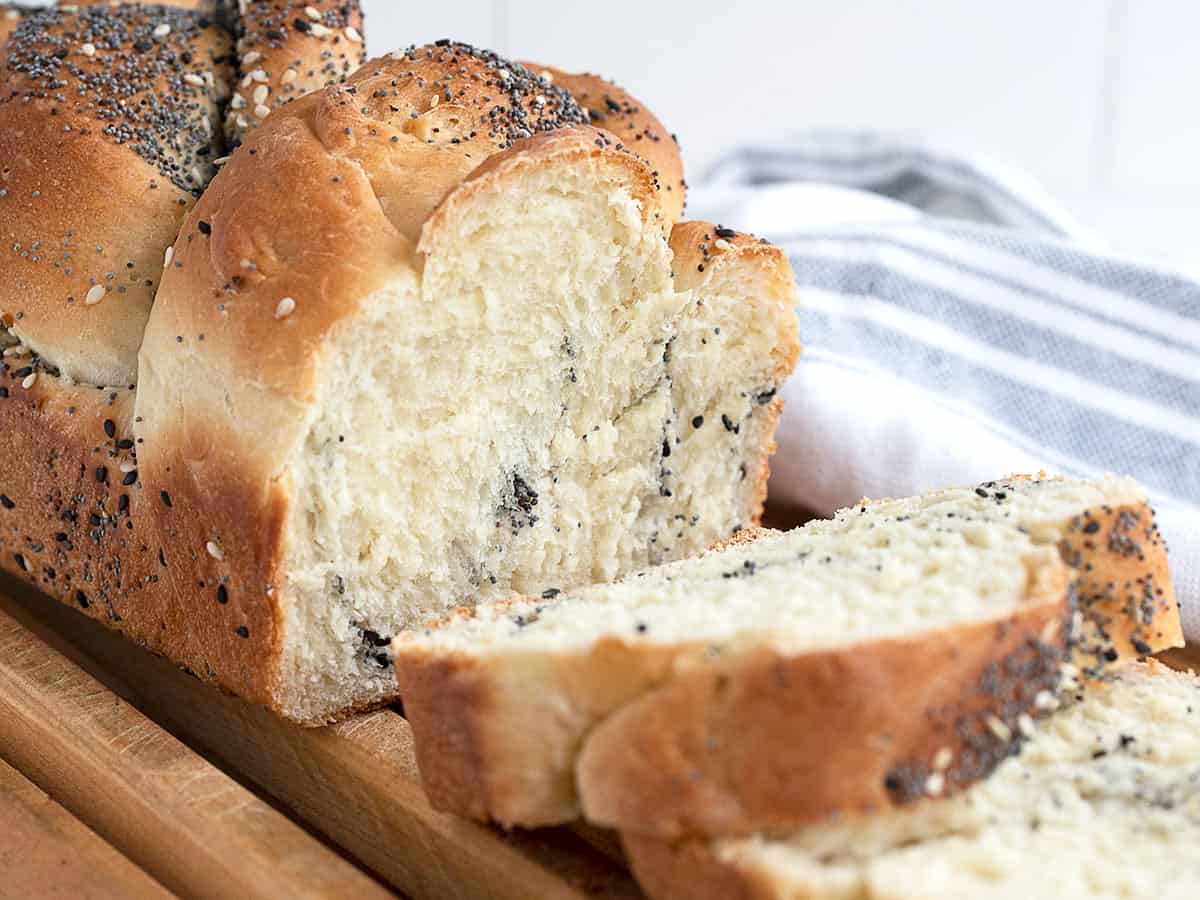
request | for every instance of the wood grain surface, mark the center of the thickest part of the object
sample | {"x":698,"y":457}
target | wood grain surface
{"x":356,"y":782}
{"x":46,"y":851}
{"x":181,"y":819}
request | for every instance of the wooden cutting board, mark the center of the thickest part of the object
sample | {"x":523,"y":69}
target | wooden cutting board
{"x":145,"y":768}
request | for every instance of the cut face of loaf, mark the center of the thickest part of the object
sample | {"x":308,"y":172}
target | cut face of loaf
{"x":785,"y":679}
{"x":494,"y":410}
{"x":1102,"y":802}
{"x":782,"y":678}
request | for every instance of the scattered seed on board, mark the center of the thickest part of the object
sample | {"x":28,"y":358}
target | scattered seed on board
{"x":94,"y":295}
{"x":214,"y":551}
{"x":285,"y":308}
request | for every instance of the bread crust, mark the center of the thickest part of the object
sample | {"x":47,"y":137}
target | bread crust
{"x":674,"y":716}
{"x":289,"y":48}
{"x":771,"y":739}
{"x":485,"y":735}
{"x":692,"y":869}
{"x":90,"y":215}
{"x":1126,"y":595}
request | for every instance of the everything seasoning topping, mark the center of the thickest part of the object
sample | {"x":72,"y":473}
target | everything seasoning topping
{"x":150,"y":77}
{"x":290,"y":48}
{"x":505,"y":101}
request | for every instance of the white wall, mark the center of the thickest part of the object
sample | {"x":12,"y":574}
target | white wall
{"x":1097,"y":98}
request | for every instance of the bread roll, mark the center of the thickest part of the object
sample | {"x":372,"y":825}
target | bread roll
{"x":289,"y":48}
{"x":106,"y":133}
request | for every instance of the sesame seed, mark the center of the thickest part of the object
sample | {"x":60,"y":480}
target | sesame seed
{"x":1049,"y":631}
{"x":999,"y":729}
{"x":312,"y":13}
{"x":94,"y":295}
{"x":214,"y":551}
{"x":1025,"y":725}
{"x":162,"y":30}
{"x":260,"y":94}
{"x":88,"y":49}
{"x":127,"y":466}
{"x":943,"y":758}
{"x":288,"y":76}
{"x":193,"y":79}
{"x":251,"y":58}
{"x":285,"y":308}
{"x":168,"y":255}
{"x":934,"y":784}
{"x":259,"y":75}
{"x":1044,"y":700}
{"x":29,"y":381}
{"x":261,"y":111}
{"x":353,"y":34}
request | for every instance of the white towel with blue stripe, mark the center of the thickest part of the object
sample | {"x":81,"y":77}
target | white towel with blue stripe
{"x":958,"y":327}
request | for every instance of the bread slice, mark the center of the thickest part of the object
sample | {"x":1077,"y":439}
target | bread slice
{"x":704,"y":695}
{"x":1102,"y":802}
{"x":784,"y":679}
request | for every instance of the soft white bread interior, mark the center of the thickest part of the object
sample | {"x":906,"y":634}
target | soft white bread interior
{"x":1102,"y":802}
{"x":417,"y":417}
{"x":753,"y":685}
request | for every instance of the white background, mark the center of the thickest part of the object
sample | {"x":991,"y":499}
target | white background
{"x":1099,"y":99}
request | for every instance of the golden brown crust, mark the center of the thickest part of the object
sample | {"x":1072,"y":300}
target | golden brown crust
{"x":77,"y":521}
{"x":289,"y":48}
{"x":488,"y":734}
{"x":92,"y":218}
{"x":422,"y":120}
{"x":1125,"y":591}
{"x":771,"y":739}
{"x":616,"y":111}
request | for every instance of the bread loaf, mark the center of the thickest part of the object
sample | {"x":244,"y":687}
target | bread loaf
{"x":786,"y":680}
{"x":1102,"y":802}
{"x":418,"y":344}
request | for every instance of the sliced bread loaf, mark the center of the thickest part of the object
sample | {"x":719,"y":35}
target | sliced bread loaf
{"x":1103,"y":802}
{"x":717,"y":686}
{"x":893,"y":652}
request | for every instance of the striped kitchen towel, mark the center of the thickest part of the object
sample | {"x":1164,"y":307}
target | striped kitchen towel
{"x":958,"y":326}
